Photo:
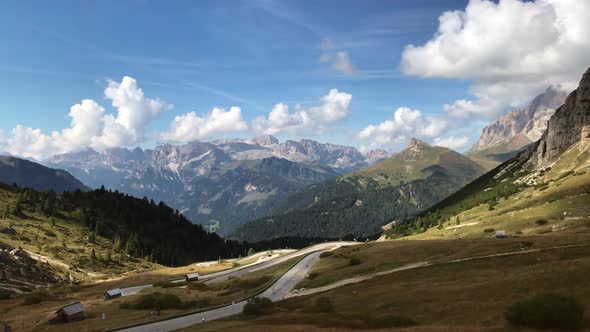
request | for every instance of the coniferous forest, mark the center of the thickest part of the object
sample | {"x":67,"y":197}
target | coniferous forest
{"x":141,"y":228}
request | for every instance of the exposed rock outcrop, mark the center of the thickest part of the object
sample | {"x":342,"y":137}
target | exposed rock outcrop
{"x":569,"y":124}
{"x":523,"y":125}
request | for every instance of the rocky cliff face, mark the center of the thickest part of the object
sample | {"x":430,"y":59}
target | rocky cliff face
{"x":569,"y":124}
{"x":523,"y":125}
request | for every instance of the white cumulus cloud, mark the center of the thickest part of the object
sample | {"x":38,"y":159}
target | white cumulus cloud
{"x":510,"y":50}
{"x":406,"y":123}
{"x":90,"y":126}
{"x":190,"y":126}
{"x":452,"y":142}
{"x":333,"y":108}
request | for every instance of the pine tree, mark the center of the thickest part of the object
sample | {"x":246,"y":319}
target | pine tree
{"x":117,"y":243}
{"x":18,"y":205}
{"x":131,"y":246}
{"x":93,"y":255}
{"x":49,"y":204}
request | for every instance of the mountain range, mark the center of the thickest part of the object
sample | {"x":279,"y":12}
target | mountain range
{"x":360,"y":202}
{"x":222,"y":183}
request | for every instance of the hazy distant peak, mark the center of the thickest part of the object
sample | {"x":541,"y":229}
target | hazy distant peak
{"x":265,"y":140}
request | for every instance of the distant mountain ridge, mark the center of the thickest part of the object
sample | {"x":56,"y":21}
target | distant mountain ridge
{"x":503,"y":138}
{"x":28,"y":174}
{"x":222,"y":182}
{"x":360,"y":202}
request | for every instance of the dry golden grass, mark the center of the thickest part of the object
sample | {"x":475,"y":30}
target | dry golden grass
{"x":467,"y":296}
{"x":382,"y":256}
{"x":34,"y":317}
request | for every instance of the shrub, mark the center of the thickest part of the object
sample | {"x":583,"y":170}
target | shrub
{"x":50,"y":233}
{"x":548,"y":311}
{"x":488,"y":230}
{"x":324,"y":304}
{"x":354,"y":261}
{"x":257,"y":306}
{"x":541,"y":222}
{"x":326,"y":254}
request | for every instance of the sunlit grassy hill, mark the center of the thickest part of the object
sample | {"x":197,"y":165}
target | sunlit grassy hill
{"x":510,"y":198}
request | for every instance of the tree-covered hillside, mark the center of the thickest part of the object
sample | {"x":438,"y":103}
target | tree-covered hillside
{"x":32,"y":175}
{"x":121,"y":223}
{"x":359,"y":203}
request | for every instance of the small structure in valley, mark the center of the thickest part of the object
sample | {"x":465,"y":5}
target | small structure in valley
{"x":501,"y":234}
{"x":113,"y":294}
{"x":69,"y":313}
{"x":191,"y":277}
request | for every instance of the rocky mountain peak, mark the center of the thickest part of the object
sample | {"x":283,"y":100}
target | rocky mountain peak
{"x":569,"y":124}
{"x":265,"y":140}
{"x":523,"y":125}
{"x":416,"y":143}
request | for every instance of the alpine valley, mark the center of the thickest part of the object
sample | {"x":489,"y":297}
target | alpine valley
{"x":220,"y":184}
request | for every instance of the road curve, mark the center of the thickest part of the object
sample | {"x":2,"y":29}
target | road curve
{"x":275,"y":293}
{"x":224,"y":275}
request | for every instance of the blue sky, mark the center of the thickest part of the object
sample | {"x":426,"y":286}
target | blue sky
{"x":206,"y":54}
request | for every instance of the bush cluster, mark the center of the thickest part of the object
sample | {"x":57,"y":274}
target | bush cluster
{"x":354,"y":261}
{"x":257,"y":306}
{"x":548,"y":311}
{"x":541,"y":222}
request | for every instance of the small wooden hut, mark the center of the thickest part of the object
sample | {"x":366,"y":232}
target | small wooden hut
{"x":191,"y":277}
{"x":113,"y":294}
{"x":69,"y":313}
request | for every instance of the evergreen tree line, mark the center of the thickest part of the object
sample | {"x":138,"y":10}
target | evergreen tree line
{"x":353,"y":207}
{"x":140,"y":227}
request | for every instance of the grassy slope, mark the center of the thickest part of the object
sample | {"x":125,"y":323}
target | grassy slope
{"x":66,"y":240}
{"x":91,"y":296}
{"x":34,"y":317}
{"x":406,"y":167}
{"x":457,"y":296}
{"x":560,"y":197}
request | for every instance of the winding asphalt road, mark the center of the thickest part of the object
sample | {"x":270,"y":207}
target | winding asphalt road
{"x":276,"y":292}
{"x":225,"y":275}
